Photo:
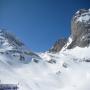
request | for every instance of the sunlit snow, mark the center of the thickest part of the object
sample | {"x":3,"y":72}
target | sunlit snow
{"x":48,"y":76}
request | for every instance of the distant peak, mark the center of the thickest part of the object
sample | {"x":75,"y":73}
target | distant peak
{"x":7,"y":39}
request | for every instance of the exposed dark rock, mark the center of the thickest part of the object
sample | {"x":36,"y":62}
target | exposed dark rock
{"x":36,"y":60}
{"x":8,"y":87}
{"x":22,"y":58}
{"x":80,"y":32}
{"x":52,"y":61}
{"x":58,"y":45}
{"x":65,"y":65}
{"x":80,"y":29}
{"x":88,"y":60}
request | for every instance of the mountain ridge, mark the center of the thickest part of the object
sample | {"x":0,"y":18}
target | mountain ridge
{"x":80,"y":31}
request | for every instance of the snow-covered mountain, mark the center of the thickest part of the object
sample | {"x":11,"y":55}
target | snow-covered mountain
{"x":11,"y":47}
{"x":67,"y":69}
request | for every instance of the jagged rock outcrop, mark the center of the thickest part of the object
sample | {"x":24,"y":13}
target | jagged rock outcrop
{"x":80,"y":29}
{"x":80,"y":32}
{"x":58,"y":45}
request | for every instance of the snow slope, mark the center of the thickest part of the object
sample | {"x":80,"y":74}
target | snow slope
{"x":69,"y":72}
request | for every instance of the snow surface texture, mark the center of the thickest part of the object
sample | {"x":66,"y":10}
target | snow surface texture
{"x":70,"y":72}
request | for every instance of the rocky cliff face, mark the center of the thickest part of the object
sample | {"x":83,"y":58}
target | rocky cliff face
{"x":80,"y":29}
{"x":58,"y":45}
{"x":80,"y":32}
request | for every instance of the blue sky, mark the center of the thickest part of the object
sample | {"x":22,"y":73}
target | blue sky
{"x":39,"y":23}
